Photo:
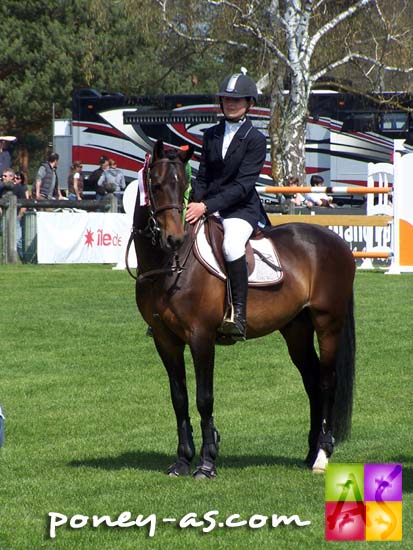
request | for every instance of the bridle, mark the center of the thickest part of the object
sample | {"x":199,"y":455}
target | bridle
{"x":152,"y":229}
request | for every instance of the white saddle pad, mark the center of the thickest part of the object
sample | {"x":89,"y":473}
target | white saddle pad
{"x":263,"y":274}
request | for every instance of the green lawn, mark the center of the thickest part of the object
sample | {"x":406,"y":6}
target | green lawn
{"x":90,"y":428}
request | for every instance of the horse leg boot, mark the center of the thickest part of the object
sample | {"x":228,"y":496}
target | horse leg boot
{"x":185,"y":452}
{"x":235,"y":326}
{"x":210,"y":445}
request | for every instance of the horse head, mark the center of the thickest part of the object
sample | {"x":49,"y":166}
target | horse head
{"x":167,"y":185}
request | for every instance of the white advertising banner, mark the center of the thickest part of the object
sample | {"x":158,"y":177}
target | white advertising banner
{"x":83,"y":237}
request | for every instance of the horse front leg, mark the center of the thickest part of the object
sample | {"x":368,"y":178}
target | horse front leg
{"x":203,"y":354}
{"x":171,"y":351}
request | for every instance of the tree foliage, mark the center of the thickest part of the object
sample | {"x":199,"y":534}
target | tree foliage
{"x":50,"y":48}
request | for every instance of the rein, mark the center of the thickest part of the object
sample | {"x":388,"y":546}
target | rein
{"x":174,"y":268}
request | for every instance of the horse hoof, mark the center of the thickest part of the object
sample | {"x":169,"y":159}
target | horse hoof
{"x":178,"y":469}
{"x":320,"y":464}
{"x":205,"y":473}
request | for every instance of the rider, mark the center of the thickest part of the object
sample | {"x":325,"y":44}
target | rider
{"x":232,"y":158}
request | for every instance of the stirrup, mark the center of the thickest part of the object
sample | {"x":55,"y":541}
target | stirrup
{"x":229,"y":326}
{"x":229,"y":316}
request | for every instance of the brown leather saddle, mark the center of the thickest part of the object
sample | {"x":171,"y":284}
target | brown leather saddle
{"x":214,"y":233}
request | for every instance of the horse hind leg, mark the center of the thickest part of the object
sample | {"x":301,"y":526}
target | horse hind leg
{"x":336,"y":337}
{"x":328,"y":344}
{"x":171,"y":351}
{"x":299,"y":337}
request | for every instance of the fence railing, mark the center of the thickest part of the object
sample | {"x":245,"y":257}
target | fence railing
{"x":10,"y":205}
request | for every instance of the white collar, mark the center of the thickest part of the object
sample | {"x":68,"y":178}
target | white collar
{"x":232,"y":127}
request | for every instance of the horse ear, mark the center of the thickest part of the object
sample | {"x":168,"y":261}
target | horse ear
{"x":158,"y":150}
{"x":185,"y":152}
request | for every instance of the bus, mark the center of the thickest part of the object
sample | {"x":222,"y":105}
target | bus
{"x":344,"y":131}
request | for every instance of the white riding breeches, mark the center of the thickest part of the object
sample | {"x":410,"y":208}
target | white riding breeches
{"x":236,"y":234}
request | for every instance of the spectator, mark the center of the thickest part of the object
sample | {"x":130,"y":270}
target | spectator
{"x":318,"y":199}
{"x":297,"y":199}
{"x":113,"y":181}
{"x":5,"y":159}
{"x":113,"y":175}
{"x":5,"y":184}
{"x":47,"y":184}
{"x":20,"y":179}
{"x":10,"y":184}
{"x":75,"y":182}
{"x":7,"y":179}
{"x":96,"y":178}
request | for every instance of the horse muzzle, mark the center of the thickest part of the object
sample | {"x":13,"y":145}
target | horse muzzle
{"x":172,"y":242}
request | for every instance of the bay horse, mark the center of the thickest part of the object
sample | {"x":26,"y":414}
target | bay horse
{"x":184,"y":304}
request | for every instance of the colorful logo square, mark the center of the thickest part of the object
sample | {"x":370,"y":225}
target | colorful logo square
{"x":345,"y":520}
{"x":363,"y":502}
{"x":383,"y":482}
{"x":344,"y":482}
{"x":384,"y":521}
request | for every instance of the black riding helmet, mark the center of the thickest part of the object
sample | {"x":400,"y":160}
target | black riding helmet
{"x":238,"y":85}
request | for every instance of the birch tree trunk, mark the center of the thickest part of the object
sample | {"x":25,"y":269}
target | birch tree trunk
{"x":287,"y":130}
{"x":289,"y":110}
{"x":287,"y":138}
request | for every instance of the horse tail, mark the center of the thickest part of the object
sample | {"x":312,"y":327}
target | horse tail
{"x":345,"y":373}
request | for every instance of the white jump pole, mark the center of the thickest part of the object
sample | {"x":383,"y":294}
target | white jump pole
{"x":394,"y":268}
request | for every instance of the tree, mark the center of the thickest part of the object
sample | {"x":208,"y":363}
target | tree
{"x":34,"y":70}
{"x":296,"y":38}
{"x":50,"y":48}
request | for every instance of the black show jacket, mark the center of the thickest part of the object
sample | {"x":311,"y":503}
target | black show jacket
{"x":228,"y":184}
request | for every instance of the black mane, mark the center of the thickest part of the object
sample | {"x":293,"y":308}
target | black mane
{"x":172,"y":154}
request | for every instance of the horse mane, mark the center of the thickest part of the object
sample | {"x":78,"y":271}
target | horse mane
{"x":171,"y":154}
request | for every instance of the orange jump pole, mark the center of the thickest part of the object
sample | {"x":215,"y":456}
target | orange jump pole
{"x":383,"y":255}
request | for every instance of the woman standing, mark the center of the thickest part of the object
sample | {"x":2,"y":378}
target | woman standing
{"x":75,"y":182}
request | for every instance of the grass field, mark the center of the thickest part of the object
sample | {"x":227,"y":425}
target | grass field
{"x":90,"y":428}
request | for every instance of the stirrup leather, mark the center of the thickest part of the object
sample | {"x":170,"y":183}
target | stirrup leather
{"x":234,"y":322}
{"x":229,"y":315}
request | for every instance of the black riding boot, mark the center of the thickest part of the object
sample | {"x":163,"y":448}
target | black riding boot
{"x":234,"y":326}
